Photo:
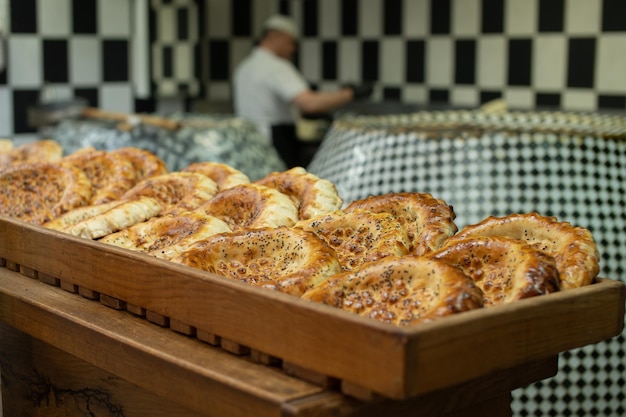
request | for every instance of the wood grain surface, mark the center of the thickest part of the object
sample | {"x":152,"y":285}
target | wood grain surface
{"x":62,"y":354}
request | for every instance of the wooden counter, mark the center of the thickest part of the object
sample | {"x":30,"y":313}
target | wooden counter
{"x":62,"y":354}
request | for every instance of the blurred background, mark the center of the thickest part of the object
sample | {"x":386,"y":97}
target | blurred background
{"x":160,"y":55}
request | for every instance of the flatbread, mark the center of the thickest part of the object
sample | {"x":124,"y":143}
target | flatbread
{"x":79,"y":214}
{"x":427,"y":220}
{"x":280,"y":258}
{"x":38,"y":151}
{"x":118,"y":218}
{"x":39,"y":192}
{"x":167,"y":236}
{"x":400,"y":290}
{"x":505,"y":269}
{"x":313,"y":196}
{"x":224,"y":175}
{"x":573,"y":248}
{"x":177,"y":192}
{"x":359,"y":236}
{"x":252,"y":206}
{"x":146,"y":163}
{"x":111,"y":175}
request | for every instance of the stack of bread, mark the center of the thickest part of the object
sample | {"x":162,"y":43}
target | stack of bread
{"x":398,"y":258}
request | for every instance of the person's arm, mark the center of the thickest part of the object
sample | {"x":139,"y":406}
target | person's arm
{"x":310,"y":101}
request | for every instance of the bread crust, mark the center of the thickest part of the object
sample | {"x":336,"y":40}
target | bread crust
{"x":313,"y":196}
{"x":167,"y":236}
{"x":574,"y":249}
{"x":427,"y":220}
{"x":39,"y":192}
{"x":79,"y":214}
{"x":400,"y":290}
{"x":505,"y":269}
{"x":111,"y":175}
{"x":117,"y":218}
{"x":45,"y":150}
{"x":145,"y":163}
{"x":177,"y":192}
{"x":359,"y":236}
{"x":252,"y":206}
{"x":281,"y":258}
{"x":224,"y":175}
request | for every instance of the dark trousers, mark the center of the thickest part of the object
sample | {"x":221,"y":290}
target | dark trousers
{"x":287,"y":144}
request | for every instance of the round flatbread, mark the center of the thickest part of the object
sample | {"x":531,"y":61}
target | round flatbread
{"x":79,"y":214}
{"x":111,"y":175}
{"x":576,"y":254}
{"x":177,"y":192}
{"x":119,"y":217}
{"x":224,"y":175}
{"x":38,"y":151}
{"x":167,"y":236}
{"x":505,"y":269}
{"x":281,"y":258}
{"x":313,"y":196}
{"x":39,"y":192}
{"x":146,"y":163}
{"x":359,"y":236}
{"x":400,"y":290}
{"x":427,"y":220}
{"x":252,"y":206}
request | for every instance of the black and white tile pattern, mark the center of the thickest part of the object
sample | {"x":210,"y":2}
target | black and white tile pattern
{"x":62,"y":49}
{"x":567,"y":54}
{"x":176,"y":31}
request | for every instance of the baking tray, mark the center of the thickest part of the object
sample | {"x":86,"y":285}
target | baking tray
{"x":358,"y":355}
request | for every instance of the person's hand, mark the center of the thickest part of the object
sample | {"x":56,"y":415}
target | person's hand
{"x":361,"y":92}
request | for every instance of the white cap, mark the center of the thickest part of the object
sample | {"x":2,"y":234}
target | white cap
{"x":282,"y":23}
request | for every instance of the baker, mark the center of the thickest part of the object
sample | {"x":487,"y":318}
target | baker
{"x":272,"y":93}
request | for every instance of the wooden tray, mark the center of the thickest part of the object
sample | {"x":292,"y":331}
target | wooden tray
{"x":318,"y":342}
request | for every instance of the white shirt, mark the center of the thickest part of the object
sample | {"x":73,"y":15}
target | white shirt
{"x":264,"y":85}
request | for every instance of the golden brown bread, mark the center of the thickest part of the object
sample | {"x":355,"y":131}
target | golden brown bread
{"x":251,"y":206}
{"x":167,"y":236}
{"x":573,"y":248}
{"x":281,"y":258}
{"x":177,"y":192}
{"x":39,"y":192}
{"x":362,"y":259}
{"x":224,"y":175}
{"x":313,"y":196}
{"x":400,"y":290}
{"x":505,"y":269}
{"x":79,"y":214}
{"x":145,"y":163}
{"x":427,"y":220}
{"x":111,"y":175}
{"x":359,"y":236}
{"x":45,"y":150}
{"x":119,"y":217}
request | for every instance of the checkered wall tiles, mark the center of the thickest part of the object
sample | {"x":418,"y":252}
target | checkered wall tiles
{"x":176,"y":31}
{"x":73,"y":48}
{"x":568,"y":54}
{"x":565,"y":54}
